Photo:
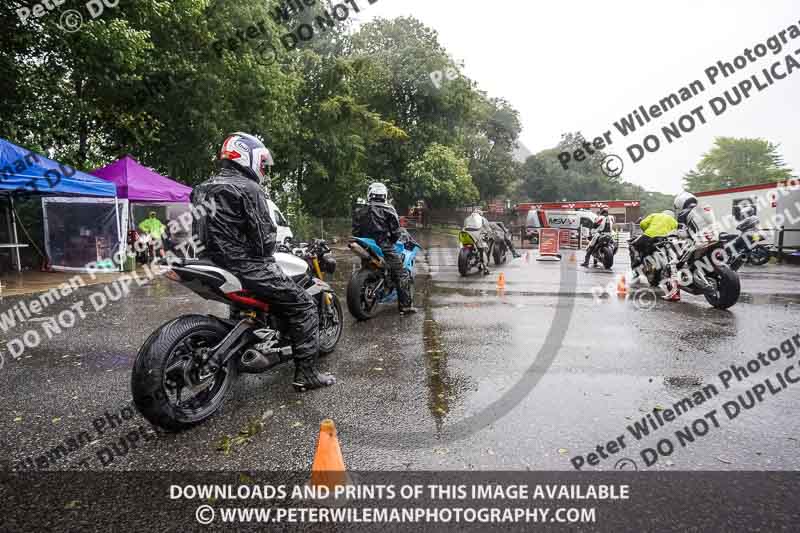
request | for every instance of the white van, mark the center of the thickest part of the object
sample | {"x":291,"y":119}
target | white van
{"x":557,"y":219}
{"x":284,"y":231}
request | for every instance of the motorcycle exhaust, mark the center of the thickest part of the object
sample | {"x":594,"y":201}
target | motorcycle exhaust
{"x":255,"y":362}
{"x":365,"y":255}
{"x":359,"y":251}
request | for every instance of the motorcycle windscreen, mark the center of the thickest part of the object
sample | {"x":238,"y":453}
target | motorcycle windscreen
{"x":81,"y":235}
{"x":466,"y":239}
{"x":473,"y":222}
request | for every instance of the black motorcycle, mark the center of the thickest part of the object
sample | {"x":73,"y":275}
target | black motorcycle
{"x":604,"y":250}
{"x":499,"y":244}
{"x":716,"y":281}
{"x":185,"y":369}
{"x":748,"y":246}
{"x":319,"y":257}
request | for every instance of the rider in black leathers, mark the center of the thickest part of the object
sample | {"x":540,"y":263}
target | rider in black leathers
{"x":378,"y":220}
{"x":603,"y":224}
{"x":240,"y":237}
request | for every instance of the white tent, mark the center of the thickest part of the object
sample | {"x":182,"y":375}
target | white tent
{"x":82,"y":233}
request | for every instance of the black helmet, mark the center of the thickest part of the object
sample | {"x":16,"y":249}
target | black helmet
{"x":604,"y":211}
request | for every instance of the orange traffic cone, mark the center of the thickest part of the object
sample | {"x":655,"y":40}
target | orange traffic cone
{"x":572,"y":259}
{"x":622,"y":288}
{"x":328,"y":468}
{"x":501,"y":281}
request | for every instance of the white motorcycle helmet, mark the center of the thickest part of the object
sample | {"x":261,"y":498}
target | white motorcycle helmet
{"x":377,"y":192}
{"x":249,"y":154}
{"x":684,"y":200}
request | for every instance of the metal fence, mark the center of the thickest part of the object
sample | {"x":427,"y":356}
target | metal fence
{"x":781,"y":247}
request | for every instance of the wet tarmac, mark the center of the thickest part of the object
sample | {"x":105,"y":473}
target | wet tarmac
{"x":529,"y":377}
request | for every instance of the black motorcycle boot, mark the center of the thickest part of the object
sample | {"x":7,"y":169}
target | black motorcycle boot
{"x":308,"y":378}
{"x":408,"y":310}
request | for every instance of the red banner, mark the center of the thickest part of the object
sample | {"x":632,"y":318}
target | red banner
{"x":548,"y":242}
{"x":564,"y":237}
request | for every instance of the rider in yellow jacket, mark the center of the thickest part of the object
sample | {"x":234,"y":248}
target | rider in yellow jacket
{"x":659,"y":224}
{"x":654,"y":225}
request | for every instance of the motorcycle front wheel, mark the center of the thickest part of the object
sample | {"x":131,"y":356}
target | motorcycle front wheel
{"x":463,"y":261}
{"x":167,"y":366}
{"x":362,"y":302}
{"x":330,"y":325}
{"x":759,"y":256}
{"x":499,"y":253}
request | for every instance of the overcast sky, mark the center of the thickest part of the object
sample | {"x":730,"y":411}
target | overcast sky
{"x":581,"y":65}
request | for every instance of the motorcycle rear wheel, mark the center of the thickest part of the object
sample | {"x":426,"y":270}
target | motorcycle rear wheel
{"x":164,"y":364}
{"x":607,"y":257}
{"x":358,"y":302}
{"x":727,"y":288}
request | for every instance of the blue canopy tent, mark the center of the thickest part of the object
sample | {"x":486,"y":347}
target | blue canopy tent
{"x":26,"y":173}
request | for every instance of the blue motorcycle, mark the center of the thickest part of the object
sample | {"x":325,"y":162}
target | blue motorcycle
{"x":371,"y":284}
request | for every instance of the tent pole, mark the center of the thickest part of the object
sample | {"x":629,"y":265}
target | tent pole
{"x":122,"y":244}
{"x":16,"y":237}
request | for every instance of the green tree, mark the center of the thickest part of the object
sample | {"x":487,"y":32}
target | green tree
{"x":441,"y":177}
{"x":733,"y":162}
{"x":491,"y":149}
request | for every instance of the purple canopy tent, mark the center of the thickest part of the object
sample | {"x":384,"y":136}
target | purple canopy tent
{"x":143,"y":189}
{"x":138,"y":183}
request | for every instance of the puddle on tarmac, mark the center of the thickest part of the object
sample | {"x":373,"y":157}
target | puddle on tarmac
{"x":442,"y":386}
{"x":682,"y":384}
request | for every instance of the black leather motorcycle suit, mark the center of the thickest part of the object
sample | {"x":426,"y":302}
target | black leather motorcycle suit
{"x":379,"y":221}
{"x":241,"y":238}
{"x":601,"y":225}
